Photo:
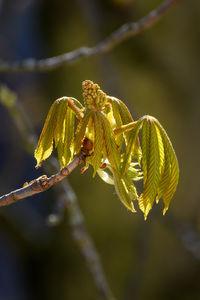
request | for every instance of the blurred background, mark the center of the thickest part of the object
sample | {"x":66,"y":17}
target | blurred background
{"x":155,"y":73}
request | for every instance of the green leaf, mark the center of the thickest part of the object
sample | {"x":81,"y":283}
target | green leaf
{"x":126,"y":118}
{"x":170,"y":176}
{"x":98,"y":142}
{"x":61,"y":115}
{"x":118,"y":121}
{"x":110,"y":146}
{"x":130,"y":149}
{"x":65,"y":147}
{"x":45,"y":144}
{"x":151,"y":183}
{"x":122,"y":190}
{"x":80,"y":132}
{"x":146,"y":140}
{"x":105,"y":176}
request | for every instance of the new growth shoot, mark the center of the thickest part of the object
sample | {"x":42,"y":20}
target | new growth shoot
{"x":117,"y":155}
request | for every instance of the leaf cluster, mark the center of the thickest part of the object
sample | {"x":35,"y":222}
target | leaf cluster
{"x":116,"y":154}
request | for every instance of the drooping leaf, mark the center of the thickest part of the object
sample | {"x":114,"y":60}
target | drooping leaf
{"x":61,"y":116}
{"x":98,"y":142}
{"x":110,"y":146}
{"x":45,"y":144}
{"x":151,"y":183}
{"x":118,"y":122}
{"x":122,"y":190}
{"x":65,"y":147}
{"x":146,"y":140}
{"x":130,"y":148}
{"x":105,"y":176}
{"x":126,"y":118}
{"x":168,"y":182}
{"x":80,"y":131}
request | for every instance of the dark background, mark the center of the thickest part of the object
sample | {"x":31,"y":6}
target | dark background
{"x":155,"y":73}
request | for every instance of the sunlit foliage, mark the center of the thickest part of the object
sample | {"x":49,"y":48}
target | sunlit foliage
{"x":117,"y":155}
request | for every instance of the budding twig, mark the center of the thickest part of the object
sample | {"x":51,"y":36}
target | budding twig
{"x":41,"y":184}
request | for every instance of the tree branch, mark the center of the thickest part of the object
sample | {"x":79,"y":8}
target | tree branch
{"x":124,"y":32}
{"x":41,"y":184}
{"x":76,"y":219}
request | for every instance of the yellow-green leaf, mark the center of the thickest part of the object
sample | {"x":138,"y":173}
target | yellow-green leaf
{"x":98,"y":142}
{"x":45,"y":144}
{"x":110,"y":145}
{"x":146,"y":139}
{"x":147,"y":198}
{"x":126,"y":118}
{"x":122,"y":190}
{"x":130,"y":148}
{"x":169,"y":183}
{"x":118,"y":121}
{"x":105,"y":176}
{"x":61,"y":116}
{"x":80,"y":132}
{"x":65,"y":147}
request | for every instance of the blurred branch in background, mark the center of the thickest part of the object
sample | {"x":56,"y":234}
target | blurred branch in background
{"x":124,"y":32}
{"x":65,"y":192}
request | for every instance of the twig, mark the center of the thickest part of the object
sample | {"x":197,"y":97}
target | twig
{"x":124,"y":32}
{"x":79,"y":230}
{"x":41,"y":184}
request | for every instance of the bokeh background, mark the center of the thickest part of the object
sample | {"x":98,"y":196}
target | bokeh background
{"x":155,"y":73}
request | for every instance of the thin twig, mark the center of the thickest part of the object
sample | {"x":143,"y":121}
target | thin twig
{"x":76,"y":219}
{"x":41,"y":184}
{"x":124,"y":32}
{"x":124,"y":128}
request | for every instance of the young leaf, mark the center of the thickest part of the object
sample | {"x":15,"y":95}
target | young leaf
{"x":147,"y":198}
{"x":118,"y":122}
{"x":130,"y":149}
{"x":80,"y":132}
{"x":122,"y":191}
{"x":105,"y":176}
{"x":45,"y":144}
{"x":61,"y":116}
{"x":126,"y":118}
{"x":98,"y":142}
{"x":110,"y":146}
{"x":160,"y":165}
{"x":146,"y":139}
{"x":169,"y":184}
{"x":65,"y":148}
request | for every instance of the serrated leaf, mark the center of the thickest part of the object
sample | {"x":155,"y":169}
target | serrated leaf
{"x":45,"y":144}
{"x":122,"y":191}
{"x":147,"y":198}
{"x":98,"y":142}
{"x":80,"y":132}
{"x":110,"y":146}
{"x":118,"y":121}
{"x":128,"y":156}
{"x":170,"y":181}
{"x":126,"y":118}
{"x":65,"y":148}
{"x":146,"y":138}
{"x":61,"y":115}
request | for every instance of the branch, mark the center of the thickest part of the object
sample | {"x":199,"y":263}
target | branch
{"x":124,"y":32}
{"x":41,"y":184}
{"x":76,"y":219}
